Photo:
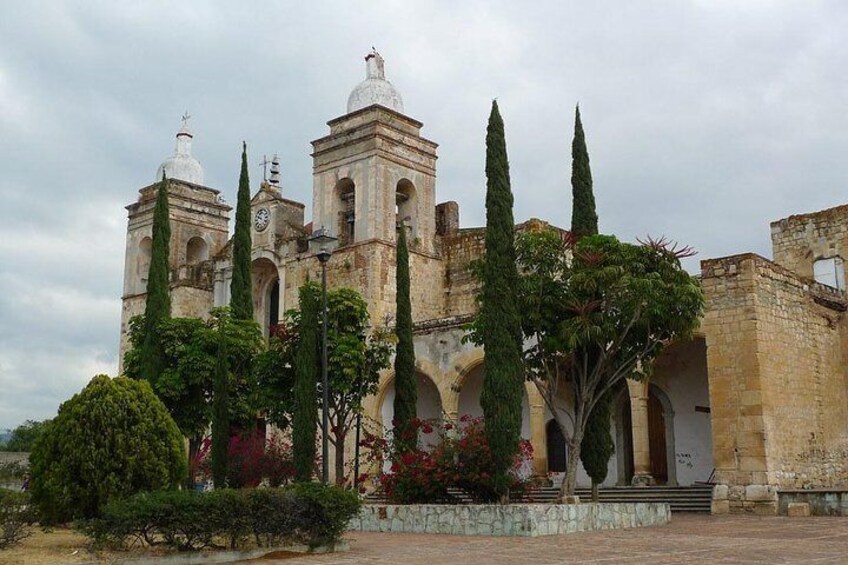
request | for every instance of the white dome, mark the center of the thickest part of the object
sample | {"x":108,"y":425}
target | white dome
{"x":375,"y":89}
{"x":181,"y":165}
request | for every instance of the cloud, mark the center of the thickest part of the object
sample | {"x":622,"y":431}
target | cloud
{"x":704,"y":121}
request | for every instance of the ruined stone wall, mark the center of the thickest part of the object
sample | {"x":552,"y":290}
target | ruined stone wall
{"x":777,"y":382}
{"x":797,"y":241}
{"x":805,"y":407}
{"x":369,"y":268}
{"x":459,"y":251}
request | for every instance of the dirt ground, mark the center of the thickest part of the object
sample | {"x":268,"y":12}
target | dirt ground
{"x":58,"y":546}
{"x":689,"y":538}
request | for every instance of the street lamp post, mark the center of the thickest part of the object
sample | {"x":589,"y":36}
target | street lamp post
{"x":322,"y":242}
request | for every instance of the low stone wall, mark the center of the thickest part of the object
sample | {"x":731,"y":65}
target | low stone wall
{"x":823,"y":502}
{"x":755,"y":499}
{"x":528,"y":520}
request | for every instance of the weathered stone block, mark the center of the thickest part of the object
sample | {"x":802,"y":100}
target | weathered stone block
{"x":798,"y":510}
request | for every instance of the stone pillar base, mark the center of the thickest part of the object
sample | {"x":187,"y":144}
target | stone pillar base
{"x":643,"y":480}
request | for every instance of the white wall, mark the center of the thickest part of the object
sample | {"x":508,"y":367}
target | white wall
{"x":681,"y":372}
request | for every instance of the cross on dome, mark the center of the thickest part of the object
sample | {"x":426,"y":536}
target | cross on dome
{"x":375,"y":89}
{"x":181,"y":165}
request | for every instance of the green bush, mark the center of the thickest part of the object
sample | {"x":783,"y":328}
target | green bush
{"x":15,"y":517}
{"x":305,"y":513}
{"x":111,"y":440}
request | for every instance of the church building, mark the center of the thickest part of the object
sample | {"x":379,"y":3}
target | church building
{"x":756,"y":403}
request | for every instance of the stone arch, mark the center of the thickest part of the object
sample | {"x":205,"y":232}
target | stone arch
{"x":197,"y":250}
{"x":266,"y":293}
{"x":344,"y":208}
{"x":428,"y":407}
{"x":145,"y":252}
{"x":406,"y":207}
{"x":668,"y":450}
{"x":468,"y":386}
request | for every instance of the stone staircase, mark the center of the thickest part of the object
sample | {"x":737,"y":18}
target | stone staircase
{"x":696,"y":498}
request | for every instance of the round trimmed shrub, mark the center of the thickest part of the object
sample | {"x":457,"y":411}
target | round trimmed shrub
{"x":113,"y":439}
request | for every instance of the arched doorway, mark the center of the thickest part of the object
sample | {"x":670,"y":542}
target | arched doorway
{"x":624,"y":438}
{"x":557,"y":451}
{"x":266,"y":294}
{"x":660,"y":437}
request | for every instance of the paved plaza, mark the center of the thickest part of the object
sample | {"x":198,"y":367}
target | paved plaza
{"x":690,"y":538}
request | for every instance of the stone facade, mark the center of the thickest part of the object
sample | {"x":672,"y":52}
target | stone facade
{"x":759,"y":395}
{"x":524,"y":520}
{"x":775,"y":347}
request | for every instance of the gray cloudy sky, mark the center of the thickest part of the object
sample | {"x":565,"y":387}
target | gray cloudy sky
{"x":705,"y":120}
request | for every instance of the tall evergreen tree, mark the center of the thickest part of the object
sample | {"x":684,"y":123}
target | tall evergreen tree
{"x":158,"y":304}
{"x":406,"y":391}
{"x":501,"y":325}
{"x":305,"y":410}
{"x":220,"y":418}
{"x":241,"y":293}
{"x":584,"y":219}
{"x":597,"y":446}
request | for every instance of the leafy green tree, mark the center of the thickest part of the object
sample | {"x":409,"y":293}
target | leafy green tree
{"x":596,"y":312}
{"x":157,"y":307}
{"x":241,"y":289}
{"x":305,"y":416}
{"x":406,"y":386}
{"x":355,"y":358}
{"x":499,"y":316}
{"x":24,"y":436}
{"x":584,"y":218}
{"x":186,"y":385}
{"x":111,"y":440}
{"x":597,"y":446}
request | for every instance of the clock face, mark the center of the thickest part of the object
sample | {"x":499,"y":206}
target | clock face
{"x":263,"y":217}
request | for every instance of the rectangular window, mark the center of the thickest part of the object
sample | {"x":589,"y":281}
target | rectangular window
{"x":830,"y":271}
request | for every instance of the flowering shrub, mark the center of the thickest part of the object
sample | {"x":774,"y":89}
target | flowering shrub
{"x":251,"y":460}
{"x":457,"y":457}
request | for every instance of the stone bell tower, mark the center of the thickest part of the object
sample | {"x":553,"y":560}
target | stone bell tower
{"x":199,"y":230}
{"x":374,"y":169}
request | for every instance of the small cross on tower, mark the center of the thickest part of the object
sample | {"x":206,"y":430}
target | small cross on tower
{"x":264,"y":164}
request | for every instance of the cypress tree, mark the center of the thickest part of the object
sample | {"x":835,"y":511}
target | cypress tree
{"x":305,"y":413}
{"x":241,"y":291}
{"x":597,"y":446}
{"x":158,"y":304}
{"x":406,"y":390}
{"x":220,"y":417}
{"x":584,"y":219}
{"x":501,"y":332}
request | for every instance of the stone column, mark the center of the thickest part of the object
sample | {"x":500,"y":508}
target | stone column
{"x":538,"y":436}
{"x":638,"y":391}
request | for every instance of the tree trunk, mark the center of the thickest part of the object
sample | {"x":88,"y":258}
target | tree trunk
{"x":595,"y":496}
{"x":340,"y":448}
{"x":570,"y":482}
{"x":193,"y":449}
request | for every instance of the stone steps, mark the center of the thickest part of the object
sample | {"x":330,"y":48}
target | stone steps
{"x":696,"y":498}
